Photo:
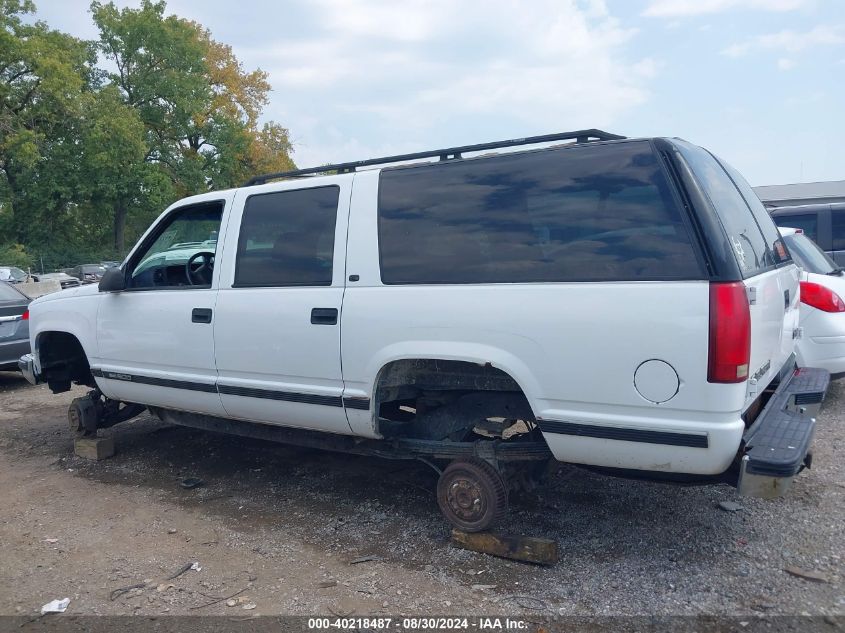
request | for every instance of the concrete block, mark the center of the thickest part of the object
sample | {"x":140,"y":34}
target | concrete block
{"x":94,"y":447}
{"x":35,"y":289}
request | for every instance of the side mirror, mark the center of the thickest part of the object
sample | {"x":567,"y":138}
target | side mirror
{"x":113,"y":280}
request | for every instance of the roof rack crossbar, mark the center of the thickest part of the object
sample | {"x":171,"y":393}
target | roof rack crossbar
{"x":450,"y":153}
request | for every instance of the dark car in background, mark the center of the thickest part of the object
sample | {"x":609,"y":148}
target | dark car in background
{"x":65,"y":280}
{"x":822,"y":223}
{"x":87,"y":273}
{"x":14,"y":326}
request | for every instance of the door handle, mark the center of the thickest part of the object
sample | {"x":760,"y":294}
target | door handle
{"x":324,"y":316}
{"x":201,"y":315}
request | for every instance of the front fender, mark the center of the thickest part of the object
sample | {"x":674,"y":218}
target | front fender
{"x":73,"y":314}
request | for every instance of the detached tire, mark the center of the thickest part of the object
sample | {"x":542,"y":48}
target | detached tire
{"x":472,"y":495}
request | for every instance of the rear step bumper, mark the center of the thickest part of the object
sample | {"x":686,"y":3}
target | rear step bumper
{"x":777,"y":445}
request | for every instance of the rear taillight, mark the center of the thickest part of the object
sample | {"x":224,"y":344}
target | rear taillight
{"x":730,"y":333}
{"x":821,"y":298}
{"x":25,"y":315}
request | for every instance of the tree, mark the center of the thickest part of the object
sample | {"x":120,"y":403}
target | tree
{"x":199,"y":108}
{"x":160,"y":83}
{"x":270,"y":150}
{"x":43,"y":74}
{"x":114,"y":148}
{"x":88,"y":157}
{"x":237,"y":147}
{"x":15,"y":255}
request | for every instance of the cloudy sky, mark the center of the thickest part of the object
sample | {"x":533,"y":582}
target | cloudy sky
{"x":760,"y":82}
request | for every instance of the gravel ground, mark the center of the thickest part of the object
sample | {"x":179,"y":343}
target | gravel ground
{"x":282,"y":526}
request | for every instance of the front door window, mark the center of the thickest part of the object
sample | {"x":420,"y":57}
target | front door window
{"x":182,"y":250}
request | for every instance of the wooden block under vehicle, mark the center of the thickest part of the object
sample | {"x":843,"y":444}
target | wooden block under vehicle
{"x":542,"y":551}
{"x":94,"y":447}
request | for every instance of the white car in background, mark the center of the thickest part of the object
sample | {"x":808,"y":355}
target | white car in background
{"x":12,"y":274}
{"x":822,"y":305}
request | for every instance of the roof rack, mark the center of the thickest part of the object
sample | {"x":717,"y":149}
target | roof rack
{"x":450,"y":153}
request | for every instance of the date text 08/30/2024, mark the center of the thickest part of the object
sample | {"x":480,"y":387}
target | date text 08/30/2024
{"x":419,"y":624}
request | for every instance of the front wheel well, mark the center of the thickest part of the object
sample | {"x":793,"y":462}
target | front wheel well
{"x":63,"y":361}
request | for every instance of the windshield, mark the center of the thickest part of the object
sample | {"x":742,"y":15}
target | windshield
{"x":808,"y":255}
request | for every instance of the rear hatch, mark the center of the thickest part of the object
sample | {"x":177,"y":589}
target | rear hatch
{"x":770,"y":277}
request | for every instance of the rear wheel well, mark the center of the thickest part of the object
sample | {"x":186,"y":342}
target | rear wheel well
{"x":449,"y":399}
{"x":63,"y":361}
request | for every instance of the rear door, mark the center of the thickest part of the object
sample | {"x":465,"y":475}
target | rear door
{"x":770,"y":277}
{"x":277,"y":321}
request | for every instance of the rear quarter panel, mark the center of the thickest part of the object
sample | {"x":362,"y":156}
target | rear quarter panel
{"x":774,"y":317}
{"x":572,"y":347}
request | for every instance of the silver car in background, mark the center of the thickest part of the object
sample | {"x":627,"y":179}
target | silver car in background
{"x":14,"y":326}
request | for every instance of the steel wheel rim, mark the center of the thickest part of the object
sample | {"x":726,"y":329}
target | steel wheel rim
{"x":466,"y":499}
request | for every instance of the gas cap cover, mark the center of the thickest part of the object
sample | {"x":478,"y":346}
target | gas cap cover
{"x":656,"y":381}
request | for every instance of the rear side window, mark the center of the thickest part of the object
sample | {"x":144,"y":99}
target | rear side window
{"x":837,"y":218}
{"x":585,"y":213}
{"x":807,"y":222}
{"x":774,"y":241}
{"x":287,"y":238}
{"x":750,"y":249}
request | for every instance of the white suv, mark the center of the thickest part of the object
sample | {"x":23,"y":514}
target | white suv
{"x":624,"y":304}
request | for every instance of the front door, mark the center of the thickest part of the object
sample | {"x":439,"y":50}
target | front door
{"x":277,"y":320}
{"x":156,"y":338}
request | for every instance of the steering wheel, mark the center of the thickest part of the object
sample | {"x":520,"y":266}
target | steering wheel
{"x":199,"y":273}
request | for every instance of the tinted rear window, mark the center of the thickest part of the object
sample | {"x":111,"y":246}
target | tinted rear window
{"x":585,"y":213}
{"x":750,"y":248}
{"x":774,"y":241}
